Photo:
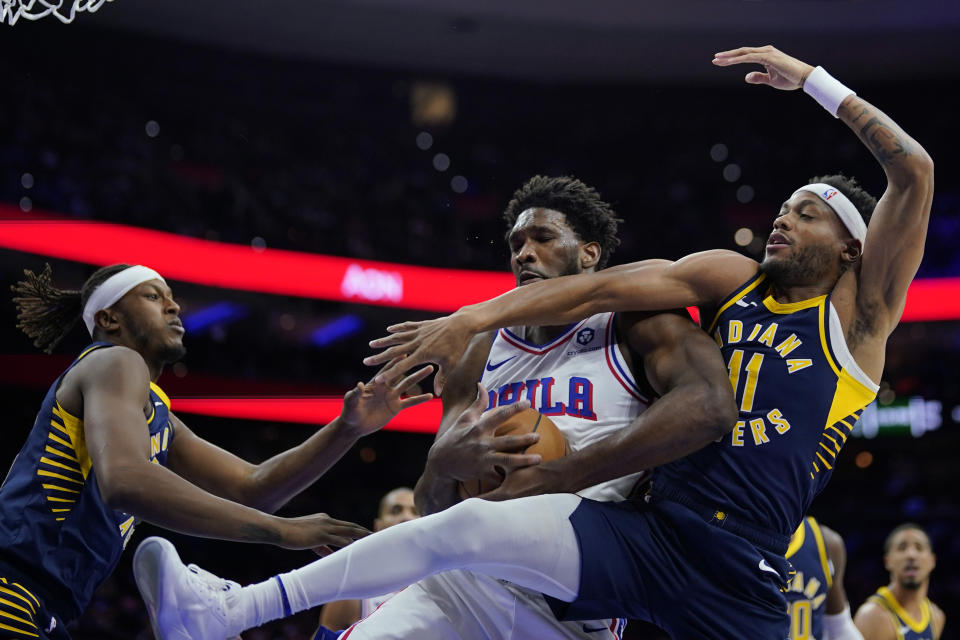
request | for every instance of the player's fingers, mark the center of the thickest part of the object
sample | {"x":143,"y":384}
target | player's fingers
{"x":413,"y":401}
{"x":475,"y":410}
{"x":757,"y":77}
{"x":511,"y":461}
{"x":439,"y":380}
{"x":495,"y":417}
{"x":350,"y":398}
{"x":334,"y":525}
{"x":400,"y":327}
{"x":322,"y":550}
{"x":739,"y":51}
{"x":338,"y":541}
{"x":414,"y":378}
{"x":748,"y":58}
{"x":387,"y":355}
{"x":400,"y":337}
{"x":514,"y":442}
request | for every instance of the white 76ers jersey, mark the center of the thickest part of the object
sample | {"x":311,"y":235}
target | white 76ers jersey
{"x":580,"y":380}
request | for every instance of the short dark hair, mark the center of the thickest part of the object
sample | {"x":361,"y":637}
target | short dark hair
{"x":592,"y":219}
{"x":903,"y":527}
{"x":863,"y":201}
{"x":47,"y":314}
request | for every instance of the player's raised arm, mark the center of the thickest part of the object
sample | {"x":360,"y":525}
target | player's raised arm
{"x":698,"y":279}
{"x":895,"y":236}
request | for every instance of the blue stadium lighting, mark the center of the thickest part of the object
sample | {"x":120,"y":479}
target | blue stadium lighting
{"x":220,"y":313}
{"x":336,"y":329}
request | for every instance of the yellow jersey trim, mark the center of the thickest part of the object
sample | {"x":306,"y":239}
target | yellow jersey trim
{"x":894,"y":605}
{"x":737,"y":296}
{"x":791,"y":307}
{"x":822,"y":318}
{"x":20,"y":631}
{"x":163,"y":396}
{"x":796,"y":541}
{"x":822,"y":549}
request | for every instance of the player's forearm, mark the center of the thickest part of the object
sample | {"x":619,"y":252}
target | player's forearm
{"x":276,"y":480}
{"x":684,"y":420}
{"x":433,"y":492}
{"x":157,"y":495}
{"x":905,"y":162}
{"x":634,"y":287}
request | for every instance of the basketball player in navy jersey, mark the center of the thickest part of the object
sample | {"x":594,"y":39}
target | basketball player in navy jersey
{"x":702,"y":556}
{"x":817,"y":601}
{"x":901,"y":610}
{"x":106,"y":451}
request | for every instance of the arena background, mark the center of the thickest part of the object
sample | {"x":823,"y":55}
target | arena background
{"x":396,"y":131}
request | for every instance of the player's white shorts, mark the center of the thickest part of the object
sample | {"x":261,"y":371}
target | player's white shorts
{"x":462,"y":605}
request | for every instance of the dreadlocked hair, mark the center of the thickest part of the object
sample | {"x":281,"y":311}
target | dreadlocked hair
{"x":47,"y":314}
{"x":592,"y":219}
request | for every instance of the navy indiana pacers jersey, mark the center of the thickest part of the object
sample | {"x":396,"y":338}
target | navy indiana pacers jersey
{"x":799,"y":393}
{"x":57,"y":536}
{"x":908,"y":628}
{"x":807,"y":589}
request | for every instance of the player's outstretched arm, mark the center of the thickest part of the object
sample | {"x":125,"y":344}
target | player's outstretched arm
{"x":113,"y":384}
{"x":837,"y":622}
{"x":698,"y":279}
{"x":898,"y":228}
{"x":270,"y":484}
{"x":695,"y":407}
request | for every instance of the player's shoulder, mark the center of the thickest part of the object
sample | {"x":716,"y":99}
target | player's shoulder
{"x":939,"y":619}
{"x":645,"y":330}
{"x":874,"y":621}
{"x":107,"y":363}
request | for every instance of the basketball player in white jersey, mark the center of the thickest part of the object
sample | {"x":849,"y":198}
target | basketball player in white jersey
{"x":592,"y":378}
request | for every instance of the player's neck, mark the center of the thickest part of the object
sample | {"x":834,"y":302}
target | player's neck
{"x":543,"y":335}
{"x":910,"y":599}
{"x":799,"y":293}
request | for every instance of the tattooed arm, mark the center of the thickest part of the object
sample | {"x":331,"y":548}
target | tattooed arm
{"x":870,"y":302}
{"x":898,"y":228}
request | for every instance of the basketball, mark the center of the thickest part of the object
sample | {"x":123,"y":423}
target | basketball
{"x":552,"y":445}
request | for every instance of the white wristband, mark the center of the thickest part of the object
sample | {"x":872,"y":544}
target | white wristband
{"x":839,"y":626}
{"x":826,"y":90}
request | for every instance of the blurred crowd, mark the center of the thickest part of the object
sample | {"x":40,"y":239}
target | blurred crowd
{"x":324,"y":159}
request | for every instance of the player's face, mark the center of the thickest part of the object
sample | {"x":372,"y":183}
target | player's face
{"x":151,"y":319}
{"x":397,"y":507}
{"x":910,"y":559}
{"x":806,"y":243}
{"x":542,"y":246}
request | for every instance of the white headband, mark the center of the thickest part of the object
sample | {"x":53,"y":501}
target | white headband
{"x":842,"y":206}
{"x":114,"y":288}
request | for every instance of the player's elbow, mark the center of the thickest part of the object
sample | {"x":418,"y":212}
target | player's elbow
{"x":120,"y":487}
{"x":718,"y":410}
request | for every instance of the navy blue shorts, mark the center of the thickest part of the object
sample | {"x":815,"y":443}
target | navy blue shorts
{"x":23,"y":615}
{"x":664,"y":563}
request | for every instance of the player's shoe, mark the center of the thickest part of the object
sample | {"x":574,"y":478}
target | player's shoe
{"x":184,"y":602}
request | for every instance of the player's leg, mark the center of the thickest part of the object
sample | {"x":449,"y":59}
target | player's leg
{"x":528,"y":541}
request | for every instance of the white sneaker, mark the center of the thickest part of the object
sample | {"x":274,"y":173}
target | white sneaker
{"x":184,"y":602}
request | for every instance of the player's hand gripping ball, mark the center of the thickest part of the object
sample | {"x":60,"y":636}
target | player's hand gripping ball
{"x":552,"y":445}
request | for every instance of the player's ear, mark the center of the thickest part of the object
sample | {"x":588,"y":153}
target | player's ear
{"x":852,"y":250}
{"x":107,"y":320}
{"x":589,"y":255}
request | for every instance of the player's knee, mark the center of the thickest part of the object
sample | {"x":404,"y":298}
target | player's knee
{"x":462,"y":528}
